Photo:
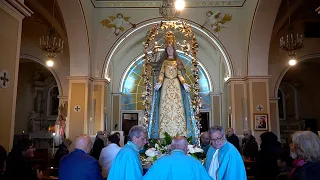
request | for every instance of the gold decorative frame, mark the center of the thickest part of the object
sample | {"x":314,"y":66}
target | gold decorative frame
{"x":260,"y":121}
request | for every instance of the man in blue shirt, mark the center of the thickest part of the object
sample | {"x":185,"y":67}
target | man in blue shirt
{"x":127,"y":164}
{"x":223,"y":160}
{"x":177,"y":165}
{"x":79,"y":164}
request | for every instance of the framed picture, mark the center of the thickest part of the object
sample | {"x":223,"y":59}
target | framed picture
{"x":261,"y":122}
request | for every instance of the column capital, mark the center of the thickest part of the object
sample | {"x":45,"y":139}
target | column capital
{"x":20,"y":8}
{"x":63,"y":98}
{"x":101,"y":81}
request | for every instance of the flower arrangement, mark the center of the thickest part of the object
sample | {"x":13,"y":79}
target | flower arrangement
{"x":160,"y":147}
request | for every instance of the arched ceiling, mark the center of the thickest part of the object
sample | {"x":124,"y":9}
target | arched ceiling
{"x":299,"y":10}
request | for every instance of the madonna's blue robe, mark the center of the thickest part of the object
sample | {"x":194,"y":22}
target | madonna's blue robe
{"x":231,"y":164}
{"x":177,"y":166}
{"x":127,"y":164}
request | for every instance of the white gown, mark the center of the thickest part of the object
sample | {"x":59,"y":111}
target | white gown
{"x":171,"y":110}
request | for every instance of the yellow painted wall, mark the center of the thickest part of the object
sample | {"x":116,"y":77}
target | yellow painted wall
{"x":238,"y":96}
{"x":9,"y":41}
{"x":217,"y":110}
{"x":76,"y":119}
{"x":98,"y":118}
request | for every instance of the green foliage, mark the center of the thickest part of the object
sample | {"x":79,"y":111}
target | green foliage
{"x":189,"y":140}
{"x":167,"y":138}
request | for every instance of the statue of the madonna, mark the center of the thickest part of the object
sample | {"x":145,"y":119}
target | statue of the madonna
{"x":171,"y":110}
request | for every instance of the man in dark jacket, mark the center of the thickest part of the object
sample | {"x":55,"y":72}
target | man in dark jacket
{"x":98,"y":145}
{"x":79,"y":164}
{"x":249,"y":145}
{"x":233,"y":139}
{"x":18,"y":162}
{"x":62,"y":151}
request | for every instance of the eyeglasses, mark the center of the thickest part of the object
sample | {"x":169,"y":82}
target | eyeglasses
{"x":218,"y":139}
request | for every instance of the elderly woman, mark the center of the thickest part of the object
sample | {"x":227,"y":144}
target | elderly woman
{"x":305,"y":149}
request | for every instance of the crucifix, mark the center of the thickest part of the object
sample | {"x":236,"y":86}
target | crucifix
{"x":4,"y":79}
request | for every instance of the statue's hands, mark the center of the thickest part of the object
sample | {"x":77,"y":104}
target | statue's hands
{"x":157,"y":86}
{"x":186,"y":87}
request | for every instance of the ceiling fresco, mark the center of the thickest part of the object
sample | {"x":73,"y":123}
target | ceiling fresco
{"x":157,"y":3}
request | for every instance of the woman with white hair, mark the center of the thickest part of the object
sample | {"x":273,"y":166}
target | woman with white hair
{"x":305,"y":149}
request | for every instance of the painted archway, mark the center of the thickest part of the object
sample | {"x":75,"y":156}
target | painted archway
{"x":146,"y":25}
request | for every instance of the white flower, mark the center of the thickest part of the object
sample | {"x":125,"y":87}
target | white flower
{"x":198,"y":150}
{"x":151,"y":152}
{"x":156,"y":146}
{"x":192,"y":149}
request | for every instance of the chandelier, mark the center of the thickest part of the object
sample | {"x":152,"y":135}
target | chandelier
{"x":292,"y":42}
{"x":51,"y":45}
{"x":170,"y":9}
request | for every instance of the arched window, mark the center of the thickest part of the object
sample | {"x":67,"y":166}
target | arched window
{"x":133,"y":84}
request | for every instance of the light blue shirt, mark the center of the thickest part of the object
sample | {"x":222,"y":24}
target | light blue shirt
{"x":127,"y":164}
{"x":231,"y":165}
{"x":177,"y":166}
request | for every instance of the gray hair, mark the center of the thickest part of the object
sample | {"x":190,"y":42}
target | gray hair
{"x":306,"y":145}
{"x":213,"y":129}
{"x":179,"y":142}
{"x":136,"y":131}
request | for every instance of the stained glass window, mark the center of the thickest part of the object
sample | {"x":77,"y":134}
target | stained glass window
{"x":133,"y":84}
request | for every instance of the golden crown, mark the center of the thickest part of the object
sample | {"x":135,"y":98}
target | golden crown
{"x":169,"y":38}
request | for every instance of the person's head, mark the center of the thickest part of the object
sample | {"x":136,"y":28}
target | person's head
{"x":181,"y":143}
{"x":305,"y":145}
{"x":137,"y":135}
{"x":284,"y":160}
{"x":100,"y":135}
{"x":119,"y":15}
{"x":247,"y":133}
{"x":114,"y":138}
{"x":67,"y":142}
{"x":217,"y":136}
{"x":230,"y":131}
{"x":209,"y":13}
{"x":25,"y":147}
{"x":83,"y":142}
{"x":268,"y":139}
{"x":205,"y":138}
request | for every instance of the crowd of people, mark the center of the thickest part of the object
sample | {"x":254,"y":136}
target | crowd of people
{"x":225,"y":157}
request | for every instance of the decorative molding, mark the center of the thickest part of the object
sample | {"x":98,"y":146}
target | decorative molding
{"x":157,"y":4}
{"x":64,"y":98}
{"x":240,"y":79}
{"x":20,"y":7}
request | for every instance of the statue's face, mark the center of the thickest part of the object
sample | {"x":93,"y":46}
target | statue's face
{"x":170,"y":50}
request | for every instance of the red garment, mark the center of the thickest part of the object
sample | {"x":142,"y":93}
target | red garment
{"x":297,"y":163}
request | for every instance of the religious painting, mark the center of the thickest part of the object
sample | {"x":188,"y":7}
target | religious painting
{"x":261,"y":121}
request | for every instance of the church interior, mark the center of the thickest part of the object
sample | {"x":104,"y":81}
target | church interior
{"x":81,"y":62}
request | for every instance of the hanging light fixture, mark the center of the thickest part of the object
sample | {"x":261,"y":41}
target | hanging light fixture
{"x":170,"y":9}
{"x":51,"y":45}
{"x":292,"y":42}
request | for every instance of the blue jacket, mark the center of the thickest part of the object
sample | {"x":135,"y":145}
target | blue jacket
{"x":79,"y":165}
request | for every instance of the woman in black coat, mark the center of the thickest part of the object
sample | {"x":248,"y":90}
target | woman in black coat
{"x":265,"y":166}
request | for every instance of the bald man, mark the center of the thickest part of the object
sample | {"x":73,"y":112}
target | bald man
{"x":205,"y":141}
{"x":233,"y":139}
{"x":79,"y":164}
{"x":177,"y":165}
